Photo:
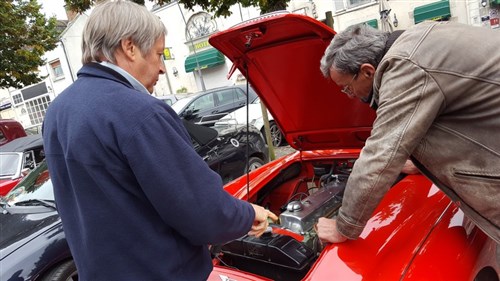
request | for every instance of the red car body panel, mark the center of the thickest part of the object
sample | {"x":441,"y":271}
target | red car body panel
{"x":7,"y":185}
{"x":9,"y":130}
{"x":416,"y":232}
{"x":224,"y":274}
{"x":309,"y":109}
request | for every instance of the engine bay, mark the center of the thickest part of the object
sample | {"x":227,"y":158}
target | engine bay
{"x":300,"y":194}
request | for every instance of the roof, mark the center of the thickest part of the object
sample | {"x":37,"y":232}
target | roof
{"x":22,"y":144}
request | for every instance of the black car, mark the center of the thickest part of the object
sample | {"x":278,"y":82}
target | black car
{"x":206,"y":107}
{"x":33,"y":245}
{"x":224,"y":148}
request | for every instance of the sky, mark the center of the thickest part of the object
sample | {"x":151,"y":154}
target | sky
{"x":53,"y":8}
{"x":56,"y":8}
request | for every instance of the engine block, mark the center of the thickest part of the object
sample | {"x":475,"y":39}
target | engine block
{"x":302,"y":215}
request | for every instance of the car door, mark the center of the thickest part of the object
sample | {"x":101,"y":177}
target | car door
{"x":226,"y":100}
{"x":230,"y":99}
{"x":199,"y":107}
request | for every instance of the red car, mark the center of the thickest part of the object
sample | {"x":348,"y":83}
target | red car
{"x":416,"y":233}
{"x":9,"y":130}
{"x":17,"y":159}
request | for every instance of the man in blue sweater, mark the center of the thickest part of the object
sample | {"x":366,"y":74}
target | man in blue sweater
{"x":136,"y":201}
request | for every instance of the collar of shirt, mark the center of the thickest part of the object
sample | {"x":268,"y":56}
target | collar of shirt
{"x":136,"y":84}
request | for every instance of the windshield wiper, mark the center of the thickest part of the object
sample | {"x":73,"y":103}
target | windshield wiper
{"x":38,"y":202}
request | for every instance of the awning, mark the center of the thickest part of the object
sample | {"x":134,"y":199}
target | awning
{"x":207,"y":58}
{"x":439,"y":10}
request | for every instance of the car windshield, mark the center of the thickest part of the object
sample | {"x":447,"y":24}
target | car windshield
{"x":9,"y":164}
{"x":180,"y":104}
{"x":36,"y":185}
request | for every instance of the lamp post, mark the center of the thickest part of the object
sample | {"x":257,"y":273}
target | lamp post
{"x":385,"y":14}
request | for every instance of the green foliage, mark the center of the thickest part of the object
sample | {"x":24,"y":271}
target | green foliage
{"x":217,"y":7}
{"x":25,"y":37}
{"x":81,"y":6}
{"x":221,"y":7}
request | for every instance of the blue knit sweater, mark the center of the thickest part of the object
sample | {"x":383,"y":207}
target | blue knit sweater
{"x":136,"y":201}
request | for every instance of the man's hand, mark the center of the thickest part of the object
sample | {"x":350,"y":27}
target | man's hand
{"x":260,"y":222}
{"x":327,"y":231}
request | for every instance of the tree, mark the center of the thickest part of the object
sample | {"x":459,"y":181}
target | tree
{"x":218,"y":7}
{"x":25,"y":36}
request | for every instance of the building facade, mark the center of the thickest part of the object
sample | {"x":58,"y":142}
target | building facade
{"x":193,"y":65}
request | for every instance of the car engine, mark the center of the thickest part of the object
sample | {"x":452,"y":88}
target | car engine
{"x":291,"y":245}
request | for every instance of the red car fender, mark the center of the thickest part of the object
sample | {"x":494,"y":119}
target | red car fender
{"x":392,"y":237}
{"x":7,"y":185}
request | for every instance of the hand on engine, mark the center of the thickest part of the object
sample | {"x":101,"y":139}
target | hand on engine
{"x":327,"y":231}
{"x":260,"y":222}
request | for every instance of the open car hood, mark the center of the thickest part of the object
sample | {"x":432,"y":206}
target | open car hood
{"x":280,"y":56}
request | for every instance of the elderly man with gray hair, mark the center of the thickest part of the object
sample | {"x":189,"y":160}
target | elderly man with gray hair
{"x":436,"y":91}
{"x":136,"y":201}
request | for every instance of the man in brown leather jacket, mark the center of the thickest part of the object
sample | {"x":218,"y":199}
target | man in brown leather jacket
{"x":436,"y":90}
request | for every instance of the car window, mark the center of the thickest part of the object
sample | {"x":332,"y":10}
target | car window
{"x":36,"y":185}
{"x":180,"y":104}
{"x":228,"y":96}
{"x":29,"y":160}
{"x":8,"y":164}
{"x":202,"y":103}
{"x":240,"y":95}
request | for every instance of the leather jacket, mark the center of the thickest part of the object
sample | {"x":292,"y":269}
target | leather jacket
{"x":438,"y":94}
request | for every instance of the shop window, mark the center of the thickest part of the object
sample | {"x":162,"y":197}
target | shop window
{"x":37,"y":108}
{"x":17,"y":99}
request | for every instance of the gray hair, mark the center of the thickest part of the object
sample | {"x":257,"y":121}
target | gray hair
{"x":352,"y":47}
{"x":112,"y":21}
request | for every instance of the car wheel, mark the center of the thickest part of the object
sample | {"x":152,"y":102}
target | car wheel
{"x":254,"y":163}
{"x":276,"y":135}
{"x":63,"y":272}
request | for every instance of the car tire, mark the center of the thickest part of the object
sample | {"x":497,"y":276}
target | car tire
{"x":65,"y":271}
{"x":276,"y":135}
{"x":254,"y":163}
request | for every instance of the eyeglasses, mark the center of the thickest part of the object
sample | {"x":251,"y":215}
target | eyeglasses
{"x":347,"y":88}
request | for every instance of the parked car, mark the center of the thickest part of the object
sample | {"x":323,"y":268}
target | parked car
{"x":205,"y":108}
{"x":169,"y":99}
{"x":416,"y":232}
{"x":225,"y":148}
{"x":17,"y":158}
{"x":255,"y":118}
{"x":33,"y":245}
{"x":33,"y":129}
{"x":9,"y":130}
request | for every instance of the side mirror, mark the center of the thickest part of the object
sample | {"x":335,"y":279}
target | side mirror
{"x":188,"y":114}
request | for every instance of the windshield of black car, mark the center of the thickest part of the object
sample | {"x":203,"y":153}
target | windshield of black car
{"x":179,"y":105}
{"x":9,"y":164}
{"x":35,"y":186}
